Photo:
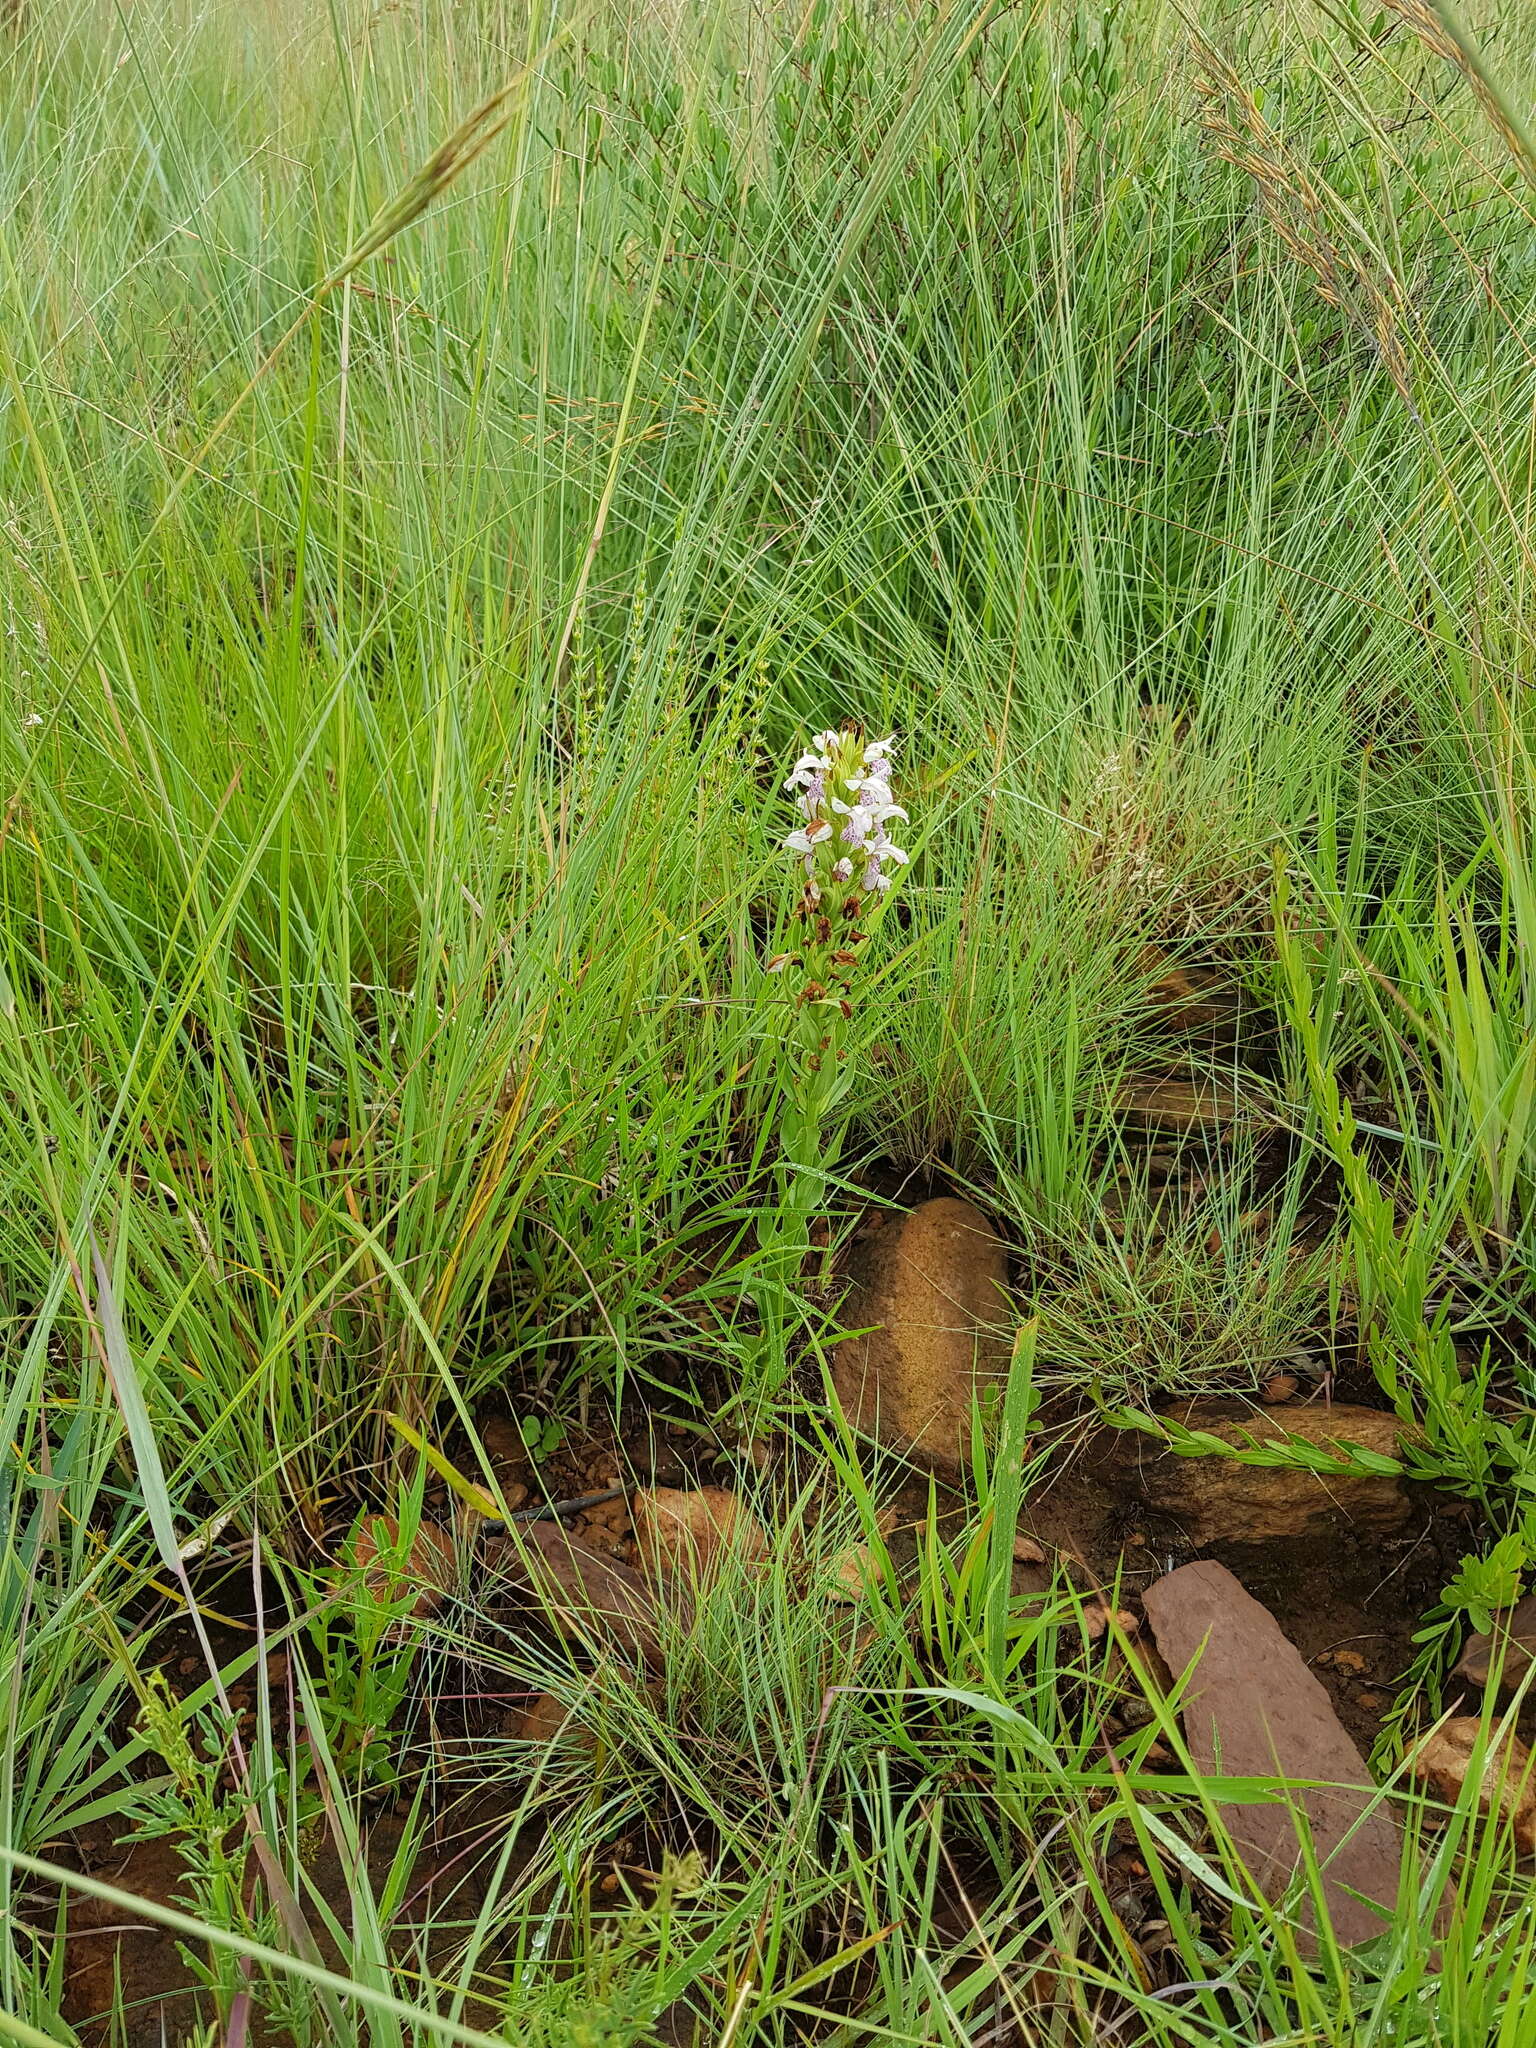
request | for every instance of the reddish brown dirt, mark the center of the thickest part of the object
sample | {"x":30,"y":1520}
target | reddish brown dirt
{"x":1350,"y":1602}
{"x":1349,"y":1599}
{"x":129,"y":1975}
{"x":129,"y":1982}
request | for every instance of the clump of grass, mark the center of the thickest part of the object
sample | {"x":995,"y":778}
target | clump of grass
{"x":1210,"y":1292}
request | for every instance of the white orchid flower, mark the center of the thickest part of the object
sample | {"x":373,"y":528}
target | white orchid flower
{"x":838,"y":874}
{"x":808,"y":838}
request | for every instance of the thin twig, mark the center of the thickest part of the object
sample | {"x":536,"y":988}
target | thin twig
{"x":568,"y":1507}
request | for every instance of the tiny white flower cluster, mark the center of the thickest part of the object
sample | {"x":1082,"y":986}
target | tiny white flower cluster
{"x":836,"y":761}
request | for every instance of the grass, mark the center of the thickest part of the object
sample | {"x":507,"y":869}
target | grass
{"x":448,"y":460}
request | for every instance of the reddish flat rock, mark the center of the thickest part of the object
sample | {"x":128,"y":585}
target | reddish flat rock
{"x":691,"y":1533}
{"x":586,"y":1594}
{"x":1252,"y":1709}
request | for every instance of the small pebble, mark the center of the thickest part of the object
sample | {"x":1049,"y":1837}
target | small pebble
{"x":1027,"y":1551}
{"x":612,"y":1515}
{"x":541,"y":1720}
{"x":1096,"y":1618}
{"x":1281,"y":1388}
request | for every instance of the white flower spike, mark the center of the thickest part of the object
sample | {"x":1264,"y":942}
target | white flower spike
{"x":849,"y":857}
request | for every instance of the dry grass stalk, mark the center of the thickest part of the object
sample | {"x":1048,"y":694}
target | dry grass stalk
{"x":1303,"y":214}
{"x":1437,"y":28}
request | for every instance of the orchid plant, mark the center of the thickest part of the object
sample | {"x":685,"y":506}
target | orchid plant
{"x":841,"y":787}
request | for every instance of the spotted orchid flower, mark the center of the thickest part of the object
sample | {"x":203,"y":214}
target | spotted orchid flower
{"x":808,"y":837}
{"x":841,"y":786}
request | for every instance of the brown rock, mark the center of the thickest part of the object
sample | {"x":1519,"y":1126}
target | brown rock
{"x":1219,"y":1500}
{"x":586,"y":1595}
{"x":1031,"y":1583}
{"x":1097,"y":1616}
{"x":542,"y":1720}
{"x":1179,"y":994}
{"x":1443,"y":1762}
{"x":1027,"y":1551}
{"x":693,"y":1533}
{"x":1514,"y":1631}
{"x":1171,"y":1103}
{"x":929,"y":1290}
{"x":1251,"y":1708}
{"x":612,"y":1515}
{"x":506,"y":1449}
{"x":855,"y":1571}
{"x":431,"y":1565}
{"x":852,"y":1574}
